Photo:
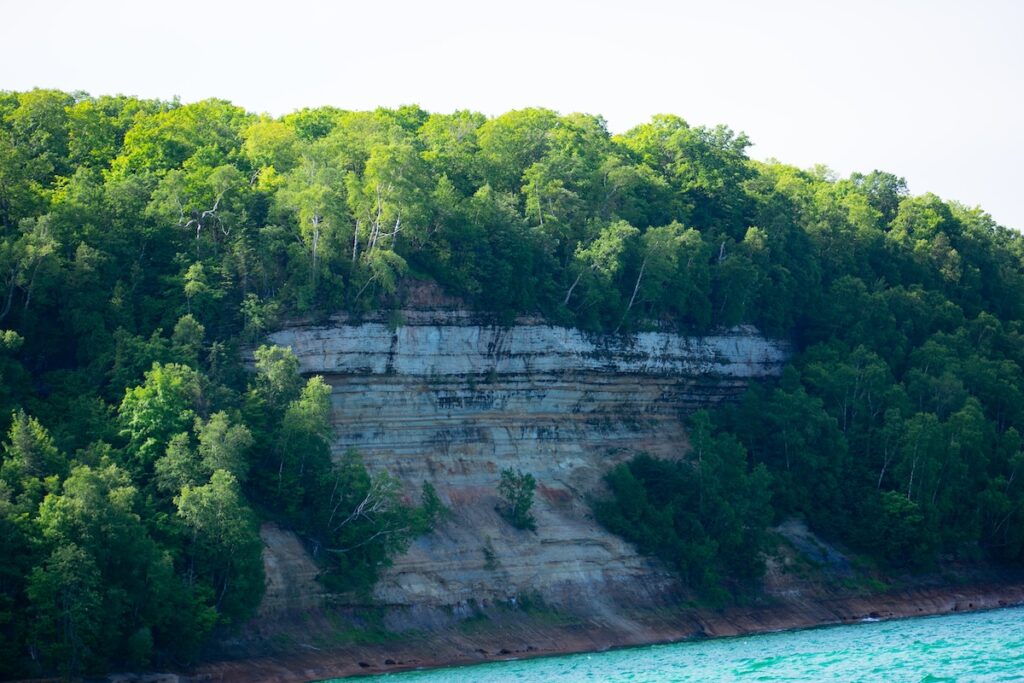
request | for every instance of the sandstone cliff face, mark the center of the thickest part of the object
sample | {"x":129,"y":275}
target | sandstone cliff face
{"x":447,"y":398}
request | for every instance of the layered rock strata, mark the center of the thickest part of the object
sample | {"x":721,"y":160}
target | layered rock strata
{"x":452,"y":400}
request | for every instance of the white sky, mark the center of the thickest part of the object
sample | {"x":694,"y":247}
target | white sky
{"x":930,"y":90}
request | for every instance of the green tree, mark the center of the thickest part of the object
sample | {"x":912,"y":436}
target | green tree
{"x":357,"y":522}
{"x":179,"y":466}
{"x":277,"y":381}
{"x":66,"y":611}
{"x":516,"y":489}
{"x":225,"y":547}
{"x":224,"y":446}
{"x":30,"y":451}
{"x":602,"y":258}
{"x":164,"y":405}
{"x":302,"y":451}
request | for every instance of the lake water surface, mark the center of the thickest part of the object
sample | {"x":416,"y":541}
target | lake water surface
{"x":984,"y":646}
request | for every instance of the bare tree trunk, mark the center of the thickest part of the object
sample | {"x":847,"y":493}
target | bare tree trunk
{"x":569,"y":293}
{"x":913,"y":468}
{"x":363,"y":288}
{"x":375,"y":233}
{"x":316,"y":220}
{"x":10,"y":297}
{"x":32,"y":283}
{"x":885,"y":466}
{"x":355,"y":243}
{"x":632,"y":299}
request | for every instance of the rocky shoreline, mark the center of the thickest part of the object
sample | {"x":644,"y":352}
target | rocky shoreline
{"x":515,"y":635}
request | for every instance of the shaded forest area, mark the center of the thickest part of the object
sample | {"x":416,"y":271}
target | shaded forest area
{"x":143,"y":243}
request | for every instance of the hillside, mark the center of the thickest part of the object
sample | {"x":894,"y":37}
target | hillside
{"x":344,"y":332}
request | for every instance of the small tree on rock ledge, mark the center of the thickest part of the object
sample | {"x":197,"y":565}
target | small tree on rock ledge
{"x":516,"y":488}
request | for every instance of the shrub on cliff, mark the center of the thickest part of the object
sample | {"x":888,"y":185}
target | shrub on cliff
{"x":516,"y":488}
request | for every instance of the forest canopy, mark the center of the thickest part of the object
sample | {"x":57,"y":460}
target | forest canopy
{"x":144,"y":243}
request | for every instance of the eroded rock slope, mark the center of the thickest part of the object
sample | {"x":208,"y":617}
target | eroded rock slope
{"x":450,"y":399}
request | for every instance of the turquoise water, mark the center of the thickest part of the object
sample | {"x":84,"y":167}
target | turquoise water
{"x":985,"y":646}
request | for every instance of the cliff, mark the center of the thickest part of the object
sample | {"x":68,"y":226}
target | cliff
{"x":449,"y":398}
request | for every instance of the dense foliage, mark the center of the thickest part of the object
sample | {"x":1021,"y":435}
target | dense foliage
{"x":142,"y":243}
{"x":129,"y":552}
{"x":137,"y":457}
{"x":707,"y":516}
